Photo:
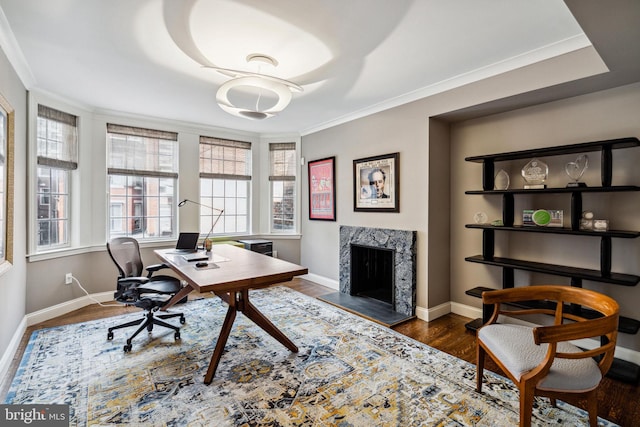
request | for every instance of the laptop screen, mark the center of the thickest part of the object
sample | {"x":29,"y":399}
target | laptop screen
{"x":187,"y":241}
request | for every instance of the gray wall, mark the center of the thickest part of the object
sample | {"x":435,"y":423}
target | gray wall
{"x":424,"y":171}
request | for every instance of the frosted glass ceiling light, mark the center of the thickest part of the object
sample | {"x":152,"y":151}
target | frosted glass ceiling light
{"x":282,"y":89}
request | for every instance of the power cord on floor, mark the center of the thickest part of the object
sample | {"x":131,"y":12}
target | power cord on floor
{"x":93,"y":298}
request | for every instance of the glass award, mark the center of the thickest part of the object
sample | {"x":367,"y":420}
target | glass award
{"x":501,"y":180}
{"x":535,"y":174}
{"x":480,"y":218}
{"x":576,"y":169}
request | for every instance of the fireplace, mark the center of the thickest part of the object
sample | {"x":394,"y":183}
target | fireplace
{"x":372,"y":273}
{"x":379,"y":253}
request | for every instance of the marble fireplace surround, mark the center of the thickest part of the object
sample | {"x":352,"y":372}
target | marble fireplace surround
{"x":402,"y":242}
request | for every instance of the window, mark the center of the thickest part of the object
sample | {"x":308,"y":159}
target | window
{"x":225,"y":179}
{"x":282,"y":157}
{"x":57,"y":150}
{"x":143,"y":174}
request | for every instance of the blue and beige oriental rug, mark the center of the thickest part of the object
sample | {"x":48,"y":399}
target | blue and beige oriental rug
{"x":348,"y":372}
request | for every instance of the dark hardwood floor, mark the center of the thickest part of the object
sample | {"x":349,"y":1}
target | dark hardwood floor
{"x":617,"y":401}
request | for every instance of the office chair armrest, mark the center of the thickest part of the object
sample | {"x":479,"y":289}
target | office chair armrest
{"x":134,"y":280}
{"x":155,"y":267}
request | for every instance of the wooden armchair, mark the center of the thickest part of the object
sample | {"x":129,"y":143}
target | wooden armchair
{"x":540,"y":360}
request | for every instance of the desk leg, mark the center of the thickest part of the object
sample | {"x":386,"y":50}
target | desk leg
{"x":222,"y":338}
{"x":186,"y":290}
{"x":259,"y":319}
{"x":239,"y":301}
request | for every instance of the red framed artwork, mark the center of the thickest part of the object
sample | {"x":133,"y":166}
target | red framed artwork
{"x":322,"y":190}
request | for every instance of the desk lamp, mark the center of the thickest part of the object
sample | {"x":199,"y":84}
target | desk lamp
{"x":206,"y":244}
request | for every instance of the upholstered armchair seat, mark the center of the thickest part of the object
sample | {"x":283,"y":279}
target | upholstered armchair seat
{"x":513,"y":345}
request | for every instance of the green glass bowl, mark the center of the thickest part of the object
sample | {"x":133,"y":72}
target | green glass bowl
{"x":541,"y":217}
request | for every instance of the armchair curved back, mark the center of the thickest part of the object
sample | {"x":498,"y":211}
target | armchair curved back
{"x":540,"y":360}
{"x":564,"y":303}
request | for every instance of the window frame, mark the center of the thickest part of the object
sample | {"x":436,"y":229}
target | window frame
{"x":289,"y":173}
{"x":61,"y":129}
{"x":227,"y":171}
{"x":151,"y":170}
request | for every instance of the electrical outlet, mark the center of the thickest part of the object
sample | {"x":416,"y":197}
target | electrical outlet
{"x":68,"y":279}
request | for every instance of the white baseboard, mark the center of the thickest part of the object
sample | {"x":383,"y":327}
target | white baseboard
{"x":321,"y":280}
{"x":466,"y":310}
{"x":67,"y":307}
{"x":12,"y":348}
{"x":429,"y":314}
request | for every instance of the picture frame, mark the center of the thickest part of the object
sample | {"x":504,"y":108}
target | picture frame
{"x":322,"y":190}
{"x":376,"y":183}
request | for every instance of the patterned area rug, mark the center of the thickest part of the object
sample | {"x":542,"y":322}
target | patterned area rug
{"x":348,"y":372}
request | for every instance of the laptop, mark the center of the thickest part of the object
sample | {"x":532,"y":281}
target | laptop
{"x":197,"y":256}
{"x":187,"y":243}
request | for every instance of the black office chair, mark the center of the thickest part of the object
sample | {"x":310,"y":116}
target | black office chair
{"x":149,"y":293}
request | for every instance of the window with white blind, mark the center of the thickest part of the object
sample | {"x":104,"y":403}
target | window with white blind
{"x":57,"y":157}
{"x":143,"y":175}
{"x":225,"y":183}
{"x":282,"y":177}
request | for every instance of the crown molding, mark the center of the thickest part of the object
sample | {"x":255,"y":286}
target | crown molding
{"x":14,"y":54}
{"x":559,"y":48}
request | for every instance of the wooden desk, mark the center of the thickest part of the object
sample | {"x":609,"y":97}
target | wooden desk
{"x":238,"y":270}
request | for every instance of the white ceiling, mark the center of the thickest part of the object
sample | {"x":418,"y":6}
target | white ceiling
{"x":352,"y":57}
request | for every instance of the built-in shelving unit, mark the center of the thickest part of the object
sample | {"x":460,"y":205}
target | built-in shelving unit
{"x":622,"y":370}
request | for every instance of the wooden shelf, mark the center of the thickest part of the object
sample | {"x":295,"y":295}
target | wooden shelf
{"x":558,"y":230}
{"x":612,"y":189}
{"x":559,"y":270}
{"x":557,"y":151}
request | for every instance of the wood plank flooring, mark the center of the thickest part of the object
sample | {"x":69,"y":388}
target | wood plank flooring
{"x":617,"y":401}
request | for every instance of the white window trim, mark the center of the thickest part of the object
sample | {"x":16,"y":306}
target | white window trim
{"x":266,"y":217}
{"x":78,"y":229}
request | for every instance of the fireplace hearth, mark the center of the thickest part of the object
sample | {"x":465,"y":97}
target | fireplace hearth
{"x":377,"y":273}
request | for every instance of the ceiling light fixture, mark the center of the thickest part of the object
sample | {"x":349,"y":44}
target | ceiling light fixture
{"x":262,"y":82}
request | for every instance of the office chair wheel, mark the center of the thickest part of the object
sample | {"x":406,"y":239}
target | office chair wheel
{"x":127,"y":348}
{"x":177,"y":336}
{"x":182,"y":320}
{"x":110,"y":335}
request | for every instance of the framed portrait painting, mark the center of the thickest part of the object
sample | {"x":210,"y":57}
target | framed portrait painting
{"x":322,"y":190}
{"x":376,"y":185}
